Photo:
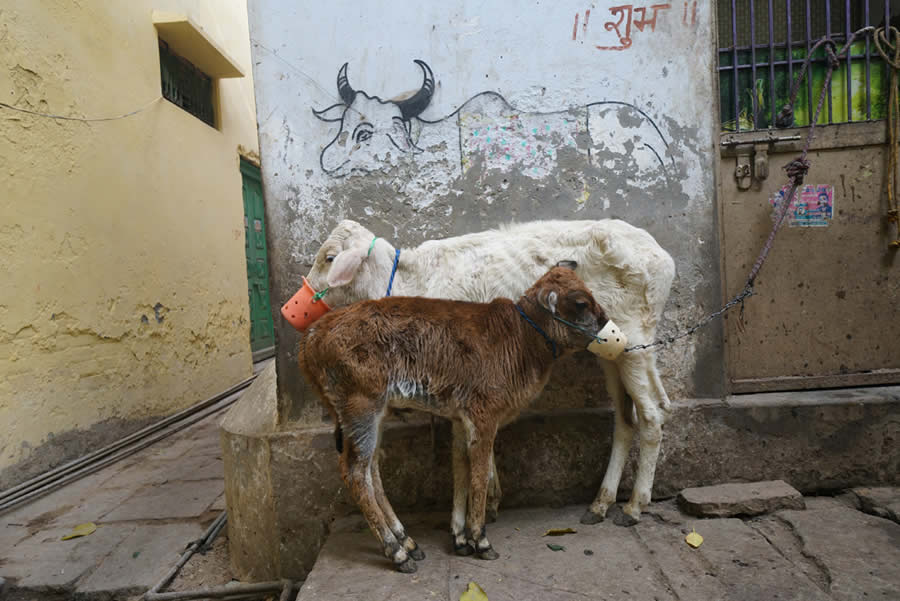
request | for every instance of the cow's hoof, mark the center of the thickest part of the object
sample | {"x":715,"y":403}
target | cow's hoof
{"x":620,"y":518}
{"x":463,"y":550}
{"x":589,"y":517}
{"x":488,"y":553}
{"x":490,"y":515}
{"x":407,"y":567}
{"x":417,"y":553}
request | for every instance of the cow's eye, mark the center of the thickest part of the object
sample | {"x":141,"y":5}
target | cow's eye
{"x":329,"y":258}
{"x":581,"y":305}
{"x":363,"y":135}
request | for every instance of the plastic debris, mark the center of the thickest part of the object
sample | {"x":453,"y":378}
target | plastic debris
{"x":559,"y":531}
{"x":693,"y":539}
{"x":81,"y":530}
{"x":473,"y":593}
{"x":588,"y":552}
{"x":553,"y":547}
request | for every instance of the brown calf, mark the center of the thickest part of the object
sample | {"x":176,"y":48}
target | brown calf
{"x":477,"y":364}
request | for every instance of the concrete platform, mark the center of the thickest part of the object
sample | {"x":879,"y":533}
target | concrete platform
{"x":282,"y":482}
{"x":828,"y":552}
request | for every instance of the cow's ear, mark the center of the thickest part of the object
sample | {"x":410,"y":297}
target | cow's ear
{"x":548,"y":299}
{"x":345,"y":265}
{"x":333,"y":113}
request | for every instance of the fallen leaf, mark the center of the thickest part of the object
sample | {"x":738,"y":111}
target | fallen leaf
{"x":81,"y":530}
{"x":693,"y":539}
{"x":559,"y":531}
{"x":135,"y":554}
{"x":553,"y":547}
{"x":588,"y":552}
{"x":473,"y":593}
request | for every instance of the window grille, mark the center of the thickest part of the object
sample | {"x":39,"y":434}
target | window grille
{"x":762,"y":46}
{"x":185,"y":85}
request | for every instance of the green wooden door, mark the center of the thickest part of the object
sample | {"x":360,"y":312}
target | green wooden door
{"x":262,"y":334}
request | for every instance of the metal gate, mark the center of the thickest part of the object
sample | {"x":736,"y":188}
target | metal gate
{"x":825,"y":313}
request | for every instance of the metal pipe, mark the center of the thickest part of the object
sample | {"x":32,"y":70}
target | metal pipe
{"x":848,"y":68}
{"x":219,"y":592}
{"x":772,"y":108}
{"x":777,"y":63}
{"x":754,"y":105}
{"x":734,"y":61}
{"x":828,"y":35}
{"x":790,"y":49}
{"x":809,"y":73}
{"x":286,"y":591}
{"x":111,"y":448}
{"x":94,"y":466}
{"x":191,"y":548}
{"x":868,"y":83}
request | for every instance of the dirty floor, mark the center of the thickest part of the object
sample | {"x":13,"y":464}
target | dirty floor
{"x":831,"y":550}
{"x":147,"y":508}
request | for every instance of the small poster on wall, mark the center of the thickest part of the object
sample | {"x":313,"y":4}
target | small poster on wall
{"x":813,"y":205}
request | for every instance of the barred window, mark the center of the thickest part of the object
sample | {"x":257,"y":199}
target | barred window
{"x":185,"y":85}
{"x":762,"y":47}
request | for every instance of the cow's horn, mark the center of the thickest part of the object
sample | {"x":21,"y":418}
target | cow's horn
{"x":346,"y":92}
{"x":415,"y":104}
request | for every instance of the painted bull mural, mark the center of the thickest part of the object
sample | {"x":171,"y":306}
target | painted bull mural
{"x":373,"y":134}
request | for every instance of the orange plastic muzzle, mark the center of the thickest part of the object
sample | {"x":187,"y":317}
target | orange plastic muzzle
{"x":304,"y":308}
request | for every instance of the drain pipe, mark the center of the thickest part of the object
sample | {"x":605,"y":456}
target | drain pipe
{"x":109,"y":454}
{"x":238,"y":591}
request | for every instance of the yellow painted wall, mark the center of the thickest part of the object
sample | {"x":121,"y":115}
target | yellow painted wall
{"x":101,"y":222}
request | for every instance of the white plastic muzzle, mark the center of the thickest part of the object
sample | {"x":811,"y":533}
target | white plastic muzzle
{"x":609,"y":342}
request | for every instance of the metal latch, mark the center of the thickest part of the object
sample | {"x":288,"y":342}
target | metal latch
{"x":761,"y":161}
{"x":745,"y":170}
{"x":742,"y":172}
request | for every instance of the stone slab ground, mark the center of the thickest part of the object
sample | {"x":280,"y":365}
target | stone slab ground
{"x":830,"y":551}
{"x":147,"y":508}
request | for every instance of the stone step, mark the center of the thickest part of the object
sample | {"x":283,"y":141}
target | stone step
{"x":283,"y":484}
{"x":739,"y":499}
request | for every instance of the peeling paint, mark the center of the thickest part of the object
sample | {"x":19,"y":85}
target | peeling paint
{"x":536,"y":134}
{"x":112,"y":253}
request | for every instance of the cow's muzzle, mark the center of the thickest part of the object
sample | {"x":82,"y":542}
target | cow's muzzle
{"x":608,"y":342}
{"x":305,"y":307}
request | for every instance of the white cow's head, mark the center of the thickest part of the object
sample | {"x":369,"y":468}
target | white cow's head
{"x":370,"y":127}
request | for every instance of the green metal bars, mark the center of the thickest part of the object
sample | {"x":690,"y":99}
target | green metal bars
{"x":185,"y":85}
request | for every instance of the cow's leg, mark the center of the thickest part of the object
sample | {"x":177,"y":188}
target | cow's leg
{"x":393,"y":522}
{"x":460,"y":489}
{"x":494,"y":494}
{"x":480,"y":441}
{"x":643,"y":383}
{"x":360,"y":446}
{"x":623,"y":433}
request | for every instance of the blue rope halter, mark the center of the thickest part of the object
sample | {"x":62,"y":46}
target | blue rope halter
{"x":550,"y":342}
{"x":393,"y":271}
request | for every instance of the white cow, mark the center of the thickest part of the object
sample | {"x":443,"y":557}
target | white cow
{"x":629,"y":274}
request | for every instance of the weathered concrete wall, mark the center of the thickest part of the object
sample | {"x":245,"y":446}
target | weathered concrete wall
{"x":124,"y":290}
{"x":539,"y":110}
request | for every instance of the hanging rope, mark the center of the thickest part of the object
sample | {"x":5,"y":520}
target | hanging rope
{"x":890,"y":53}
{"x":796,"y":171}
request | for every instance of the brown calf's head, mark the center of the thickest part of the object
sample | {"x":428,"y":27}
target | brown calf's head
{"x":565,"y":298}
